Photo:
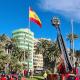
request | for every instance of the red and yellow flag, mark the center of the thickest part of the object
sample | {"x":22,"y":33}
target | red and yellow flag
{"x":34,"y":17}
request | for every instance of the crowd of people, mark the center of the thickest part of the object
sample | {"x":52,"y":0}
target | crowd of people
{"x":15,"y":75}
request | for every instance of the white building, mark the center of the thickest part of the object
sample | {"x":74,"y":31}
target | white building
{"x":25,"y":40}
{"x":37,"y":59}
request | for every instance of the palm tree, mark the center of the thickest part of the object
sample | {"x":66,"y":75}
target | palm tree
{"x":69,"y":37}
{"x":77,"y":54}
{"x":48,"y":49}
{"x":4,"y":40}
{"x":16,"y":54}
{"x":4,"y":60}
{"x":19,"y":53}
{"x":10,"y":45}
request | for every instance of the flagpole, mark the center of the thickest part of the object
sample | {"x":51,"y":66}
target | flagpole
{"x":28,"y":32}
{"x":29,"y":19}
{"x":72,"y":42}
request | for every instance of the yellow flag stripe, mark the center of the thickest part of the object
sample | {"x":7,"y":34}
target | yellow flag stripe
{"x":32,"y":14}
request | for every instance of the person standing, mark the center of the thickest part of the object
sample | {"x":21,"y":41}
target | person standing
{"x":45,"y":75}
{"x":11,"y":78}
{"x":61,"y":69}
{"x":30,"y":73}
{"x":77,"y":71}
{"x":23,"y":78}
{"x":3,"y":77}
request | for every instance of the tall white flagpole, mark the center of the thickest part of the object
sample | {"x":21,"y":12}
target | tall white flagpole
{"x":73,"y":42}
{"x":29,"y":26}
{"x":28,"y":32}
{"x":29,"y":19}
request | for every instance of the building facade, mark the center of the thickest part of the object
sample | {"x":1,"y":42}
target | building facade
{"x":25,"y":40}
{"x":37,"y":59}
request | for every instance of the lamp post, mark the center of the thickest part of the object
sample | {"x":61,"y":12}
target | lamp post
{"x":73,"y":55}
{"x":55,"y":22}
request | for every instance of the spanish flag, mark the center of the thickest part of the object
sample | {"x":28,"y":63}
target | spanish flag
{"x":34,"y":17}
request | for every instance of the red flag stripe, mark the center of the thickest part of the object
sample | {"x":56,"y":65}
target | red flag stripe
{"x":36,"y":21}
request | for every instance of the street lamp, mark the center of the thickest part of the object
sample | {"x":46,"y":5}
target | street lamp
{"x":55,"y":22}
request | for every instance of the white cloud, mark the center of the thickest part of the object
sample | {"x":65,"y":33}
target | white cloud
{"x":69,"y":8}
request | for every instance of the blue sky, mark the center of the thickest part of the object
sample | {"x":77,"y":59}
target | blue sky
{"x":14,"y":15}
